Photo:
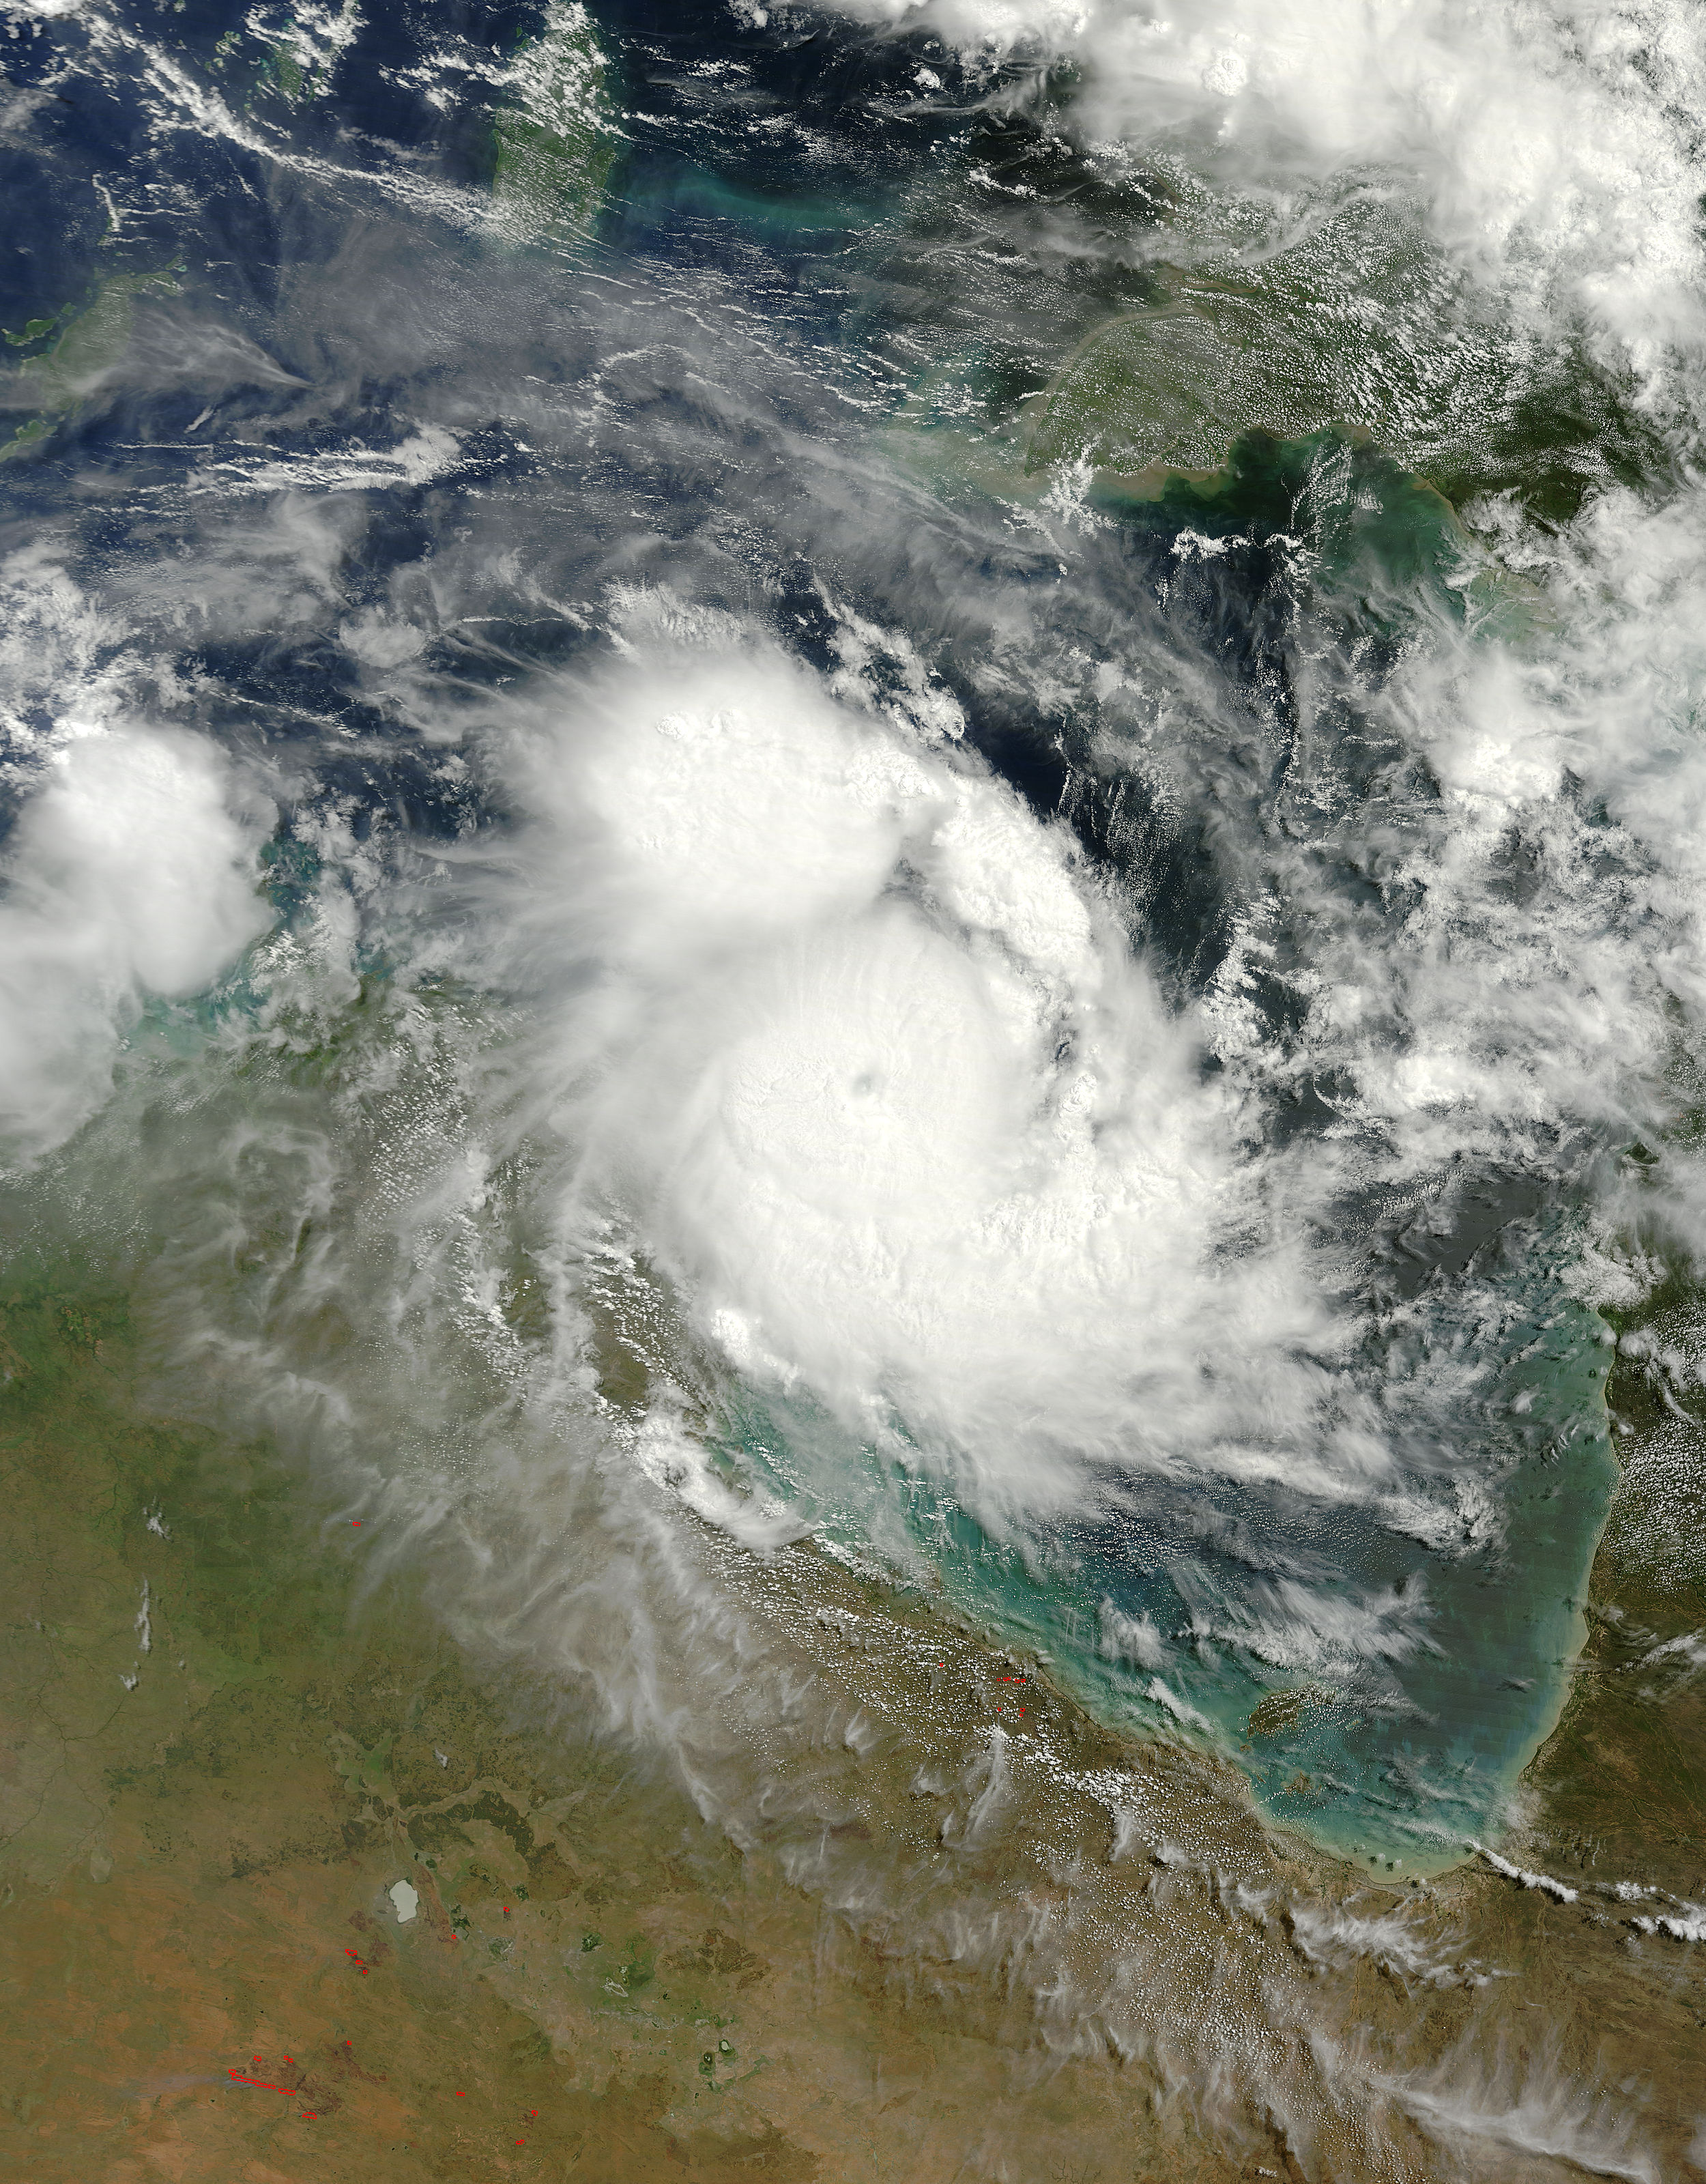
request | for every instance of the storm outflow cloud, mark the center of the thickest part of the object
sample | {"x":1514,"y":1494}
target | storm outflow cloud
{"x":857,"y":1046}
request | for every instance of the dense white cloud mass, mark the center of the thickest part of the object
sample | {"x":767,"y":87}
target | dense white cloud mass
{"x":1551,"y":138}
{"x":127,"y":874}
{"x":861,"y":1049}
{"x":844,"y":976}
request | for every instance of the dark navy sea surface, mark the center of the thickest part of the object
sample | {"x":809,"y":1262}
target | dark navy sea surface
{"x":380,"y":384}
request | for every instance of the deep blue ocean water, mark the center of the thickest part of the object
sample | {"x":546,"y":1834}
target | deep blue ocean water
{"x":782,"y":376}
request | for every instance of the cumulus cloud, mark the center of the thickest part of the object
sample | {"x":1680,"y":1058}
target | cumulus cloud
{"x":1333,"y":1936}
{"x":1296,"y":1628}
{"x":1132,"y":1638}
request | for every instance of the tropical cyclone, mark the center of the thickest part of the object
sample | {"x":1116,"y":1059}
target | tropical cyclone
{"x":852,"y":1020}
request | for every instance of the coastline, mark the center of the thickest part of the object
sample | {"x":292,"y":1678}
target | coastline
{"x":920,"y":1929}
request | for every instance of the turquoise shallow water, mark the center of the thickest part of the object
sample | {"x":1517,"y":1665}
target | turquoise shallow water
{"x":1382,"y":1696}
{"x":1382,"y":1664}
{"x":411,"y":514}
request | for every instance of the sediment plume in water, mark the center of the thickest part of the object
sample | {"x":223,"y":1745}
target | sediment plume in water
{"x":849,"y":1044}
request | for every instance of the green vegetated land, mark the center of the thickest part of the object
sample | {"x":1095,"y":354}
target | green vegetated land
{"x":69,"y":354}
{"x":284,"y":55}
{"x":553,"y":143}
{"x":554,"y":138}
{"x":1624,"y":1778}
{"x":219,"y":1756}
{"x":1379,"y":342}
{"x":222,"y":1745}
{"x":1211,"y":410}
{"x":226,"y":1736}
